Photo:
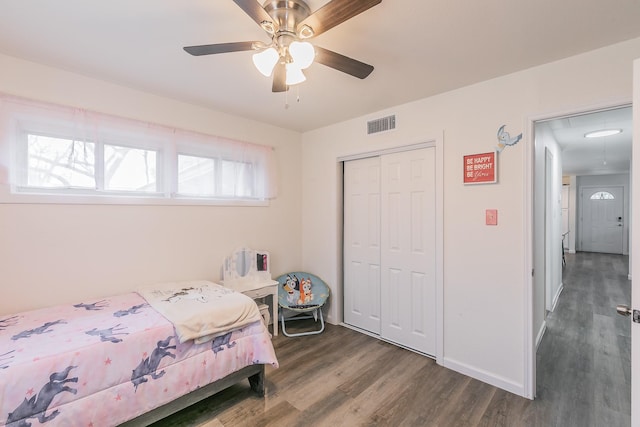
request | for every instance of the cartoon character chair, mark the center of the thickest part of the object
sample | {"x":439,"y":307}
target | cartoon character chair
{"x":302,"y":293}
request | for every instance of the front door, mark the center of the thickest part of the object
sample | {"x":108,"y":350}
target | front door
{"x":602,"y":220}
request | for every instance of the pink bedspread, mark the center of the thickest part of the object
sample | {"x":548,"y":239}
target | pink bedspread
{"x":101,"y":363}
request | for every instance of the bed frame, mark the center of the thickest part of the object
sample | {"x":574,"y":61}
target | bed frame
{"x":254,"y":373}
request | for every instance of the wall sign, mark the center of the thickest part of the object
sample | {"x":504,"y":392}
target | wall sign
{"x":480,"y":168}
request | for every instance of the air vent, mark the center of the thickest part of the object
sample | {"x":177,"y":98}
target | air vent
{"x":381,"y":125}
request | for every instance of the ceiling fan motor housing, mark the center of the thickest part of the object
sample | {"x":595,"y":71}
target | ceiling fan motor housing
{"x":287,"y":14}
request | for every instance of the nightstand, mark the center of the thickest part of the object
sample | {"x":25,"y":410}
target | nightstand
{"x":247,"y":271}
{"x":262,"y":289}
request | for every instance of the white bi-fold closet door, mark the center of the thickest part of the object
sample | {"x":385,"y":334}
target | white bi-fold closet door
{"x":389,"y":247}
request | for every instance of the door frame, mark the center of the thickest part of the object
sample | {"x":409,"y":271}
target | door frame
{"x":530,"y":334}
{"x":437,"y":143}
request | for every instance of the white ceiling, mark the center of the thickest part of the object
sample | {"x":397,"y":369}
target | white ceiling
{"x":418,"y":48}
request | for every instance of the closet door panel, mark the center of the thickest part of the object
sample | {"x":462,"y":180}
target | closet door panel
{"x":393,"y":303}
{"x":419,"y":287}
{"x":362,"y":244}
{"x":408,"y":249}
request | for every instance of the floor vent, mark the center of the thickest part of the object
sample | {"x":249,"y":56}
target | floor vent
{"x":381,"y":125}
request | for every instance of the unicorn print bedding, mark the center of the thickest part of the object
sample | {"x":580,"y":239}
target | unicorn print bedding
{"x":101,"y":363}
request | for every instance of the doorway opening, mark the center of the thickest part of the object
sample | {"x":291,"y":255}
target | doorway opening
{"x":581,"y":216}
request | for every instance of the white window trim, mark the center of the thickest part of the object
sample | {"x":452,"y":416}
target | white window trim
{"x":6,"y":197}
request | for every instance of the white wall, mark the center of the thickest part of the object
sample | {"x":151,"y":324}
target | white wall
{"x":549,"y":275}
{"x":487,"y":276}
{"x":565,"y":212}
{"x":547,"y":227}
{"x":604,"y":180}
{"x":68,"y":253}
{"x":573,"y":212}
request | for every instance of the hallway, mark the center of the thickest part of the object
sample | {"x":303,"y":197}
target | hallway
{"x":584,"y":359}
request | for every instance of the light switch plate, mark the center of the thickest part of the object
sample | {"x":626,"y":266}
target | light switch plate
{"x":492,"y":216}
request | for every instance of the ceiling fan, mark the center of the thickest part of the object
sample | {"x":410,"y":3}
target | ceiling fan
{"x":289,"y":24}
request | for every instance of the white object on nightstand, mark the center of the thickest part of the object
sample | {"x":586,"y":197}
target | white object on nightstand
{"x":247,"y":271}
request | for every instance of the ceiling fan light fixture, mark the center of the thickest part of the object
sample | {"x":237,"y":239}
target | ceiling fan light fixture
{"x":294,"y":75}
{"x":602,"y":132}
{"x":302,"y":54}
{"x":266,"y":60}
{"x":268,"y":26}
{"x":305,"y":32}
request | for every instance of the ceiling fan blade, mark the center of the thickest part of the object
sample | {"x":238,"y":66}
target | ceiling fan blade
{"x":334,"y":13}
{"x":280,"y":78}
{"x":342,"y":63}
{"x":256,"y":12}
{"x":209,"y":49}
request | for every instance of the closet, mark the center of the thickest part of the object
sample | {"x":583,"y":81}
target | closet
{"x":390,"y":247}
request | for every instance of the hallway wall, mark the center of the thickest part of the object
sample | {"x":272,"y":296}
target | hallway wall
{"x":547,"y":227}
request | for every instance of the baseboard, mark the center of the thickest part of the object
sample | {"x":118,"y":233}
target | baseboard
{"x":571,"y":252}
{"x":484,"y":376}
{"x":541,"y":332}
{"x":470,"y":371}
{"x":557,"y":297}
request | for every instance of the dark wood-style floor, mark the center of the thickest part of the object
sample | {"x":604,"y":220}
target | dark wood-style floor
{"x":344,"y":378}
{"x":584,"y":360}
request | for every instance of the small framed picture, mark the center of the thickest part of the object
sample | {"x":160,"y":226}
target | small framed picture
{"x":480,"y":168}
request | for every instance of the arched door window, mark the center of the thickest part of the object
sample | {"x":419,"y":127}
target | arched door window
{"x":602,"y":195}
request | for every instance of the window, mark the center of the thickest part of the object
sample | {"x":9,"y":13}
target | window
{"x":130,"y":169}
{"x":58,"y":163}
{"x":602,"y":195}
{"x":52,"y":150}
{"x":207,"y":177}
{"x":236,"y":178}
{"x":196,"y":176}
{"x":68,"y":164}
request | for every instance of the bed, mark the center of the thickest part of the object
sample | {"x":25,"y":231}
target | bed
{"x":118,"y":359}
